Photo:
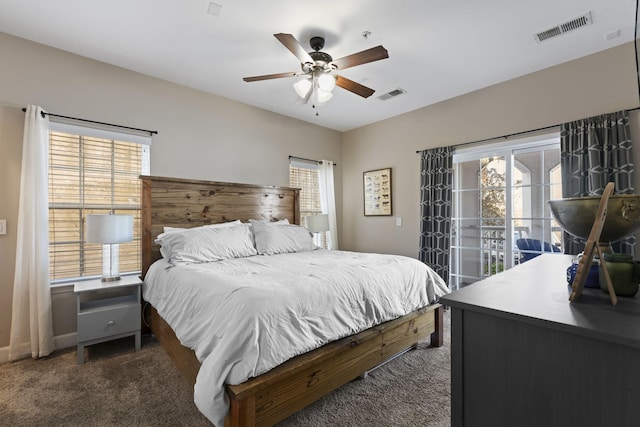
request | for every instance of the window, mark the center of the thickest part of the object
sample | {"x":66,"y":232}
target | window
{"x":500,"y":196}
{"x":306,"y":177}
{"x":91,"y":171}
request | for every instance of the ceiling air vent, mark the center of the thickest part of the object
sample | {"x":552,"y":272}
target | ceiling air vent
{"x":574,"y":24}
{"x":392,"y":94}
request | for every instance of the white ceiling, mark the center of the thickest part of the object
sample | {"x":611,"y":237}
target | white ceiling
{"x":437,"y":49}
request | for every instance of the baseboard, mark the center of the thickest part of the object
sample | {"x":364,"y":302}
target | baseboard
{"x":60,"y":342}
{"x":66,"y":341}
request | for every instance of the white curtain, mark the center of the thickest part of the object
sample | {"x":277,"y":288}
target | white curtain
{"x":31,"y":320}
{"x":328,"y":201}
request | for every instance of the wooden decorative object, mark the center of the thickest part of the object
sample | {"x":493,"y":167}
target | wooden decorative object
{"x":591,"y":248}
{"x":275,"y":395}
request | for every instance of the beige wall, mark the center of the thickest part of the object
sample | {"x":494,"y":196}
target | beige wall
{"x":208,"y":137}
{"x":10,"y":157}
{"x":596,"y":84}
{"x":199,"y":136}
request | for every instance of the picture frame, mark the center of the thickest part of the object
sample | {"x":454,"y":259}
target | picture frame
{"x":376,"y":186}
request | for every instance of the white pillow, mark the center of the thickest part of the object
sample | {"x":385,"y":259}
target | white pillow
{"x":279,"y":239}
{"x":206,"y":244}
{"x":222,"y":224}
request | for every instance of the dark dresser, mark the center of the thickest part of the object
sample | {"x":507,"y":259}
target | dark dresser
{"x":523,"y":355}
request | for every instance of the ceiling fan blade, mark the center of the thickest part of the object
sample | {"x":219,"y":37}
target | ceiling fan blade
{"x":296,"y":48}
{"x":363,"y":57}
{"x":271,"y":76}
{"x":354,"y":87}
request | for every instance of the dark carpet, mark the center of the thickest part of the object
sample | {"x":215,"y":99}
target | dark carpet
{"x":120,"y":387}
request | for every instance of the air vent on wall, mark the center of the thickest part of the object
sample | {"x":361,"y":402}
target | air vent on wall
{"x":558,"y":30}
{"x":392,"y":94}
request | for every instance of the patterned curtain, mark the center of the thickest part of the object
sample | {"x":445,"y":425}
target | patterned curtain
{"x":595,"y":151}
{"x":436,"y":187}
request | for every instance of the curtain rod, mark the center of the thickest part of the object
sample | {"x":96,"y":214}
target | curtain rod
{"x":309,"y":160}
{"x":510,"y":135}
{"x":150,"y":132}
{"x":497,"y":137}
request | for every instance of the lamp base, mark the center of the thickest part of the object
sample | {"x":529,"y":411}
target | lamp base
{"x":110,"y":262}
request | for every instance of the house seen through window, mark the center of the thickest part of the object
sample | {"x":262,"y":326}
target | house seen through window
{"x":91,"y":174}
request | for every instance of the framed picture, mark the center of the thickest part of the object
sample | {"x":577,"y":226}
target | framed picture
{"x":377,"y":192}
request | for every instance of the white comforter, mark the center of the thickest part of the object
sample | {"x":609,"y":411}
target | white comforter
{"x":244,"y":316}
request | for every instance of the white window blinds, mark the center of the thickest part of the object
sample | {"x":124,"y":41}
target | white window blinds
{"x":306,"y":177}
{"x":92,"y":171}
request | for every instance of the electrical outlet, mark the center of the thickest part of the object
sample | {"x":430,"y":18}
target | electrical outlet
{"x":3,"y":226}
{"x":398,"y":221}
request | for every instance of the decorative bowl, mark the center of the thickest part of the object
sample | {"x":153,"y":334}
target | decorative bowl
{"x":576,"y":216}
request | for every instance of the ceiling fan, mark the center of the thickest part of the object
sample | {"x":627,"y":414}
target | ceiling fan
{"x":318,"y":69}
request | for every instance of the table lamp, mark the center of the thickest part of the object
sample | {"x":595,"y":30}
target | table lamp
{"x":110,"y":230}
{"x":318,"y":223}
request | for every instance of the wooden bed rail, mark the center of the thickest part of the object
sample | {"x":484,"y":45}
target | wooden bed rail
{"x":286,"y":389}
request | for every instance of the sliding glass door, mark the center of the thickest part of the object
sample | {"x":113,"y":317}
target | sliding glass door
{"x":501,"y":216}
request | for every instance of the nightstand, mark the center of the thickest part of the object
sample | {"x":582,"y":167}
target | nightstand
{"x":107,"y":311}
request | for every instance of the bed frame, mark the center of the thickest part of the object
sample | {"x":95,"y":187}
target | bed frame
{"x":273,"y":396}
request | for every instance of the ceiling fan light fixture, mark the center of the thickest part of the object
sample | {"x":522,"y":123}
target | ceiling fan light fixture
{"x":303,"y":87}
{"x":317,"y":70}
{"x":323,"y":96}
{"x":326,"y":82}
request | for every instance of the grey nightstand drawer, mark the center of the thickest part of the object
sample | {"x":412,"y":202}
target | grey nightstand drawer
{"x":99,"y":324}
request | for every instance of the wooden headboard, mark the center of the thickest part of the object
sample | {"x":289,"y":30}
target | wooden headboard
{"x":185,"y":203}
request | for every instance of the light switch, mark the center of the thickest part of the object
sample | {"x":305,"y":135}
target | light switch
{"x":398,"y":221}
{"x":3,"y":226}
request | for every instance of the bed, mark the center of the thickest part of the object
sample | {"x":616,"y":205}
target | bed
{"x":279,"y":392}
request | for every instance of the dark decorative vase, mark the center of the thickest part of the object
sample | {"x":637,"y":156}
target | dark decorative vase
{"x":624,"y":273}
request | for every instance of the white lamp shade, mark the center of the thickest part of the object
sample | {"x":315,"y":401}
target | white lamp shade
{"x":109,"y":229}
{"x":326,"y":82}
{"x":318,"y":223}
{"x":323,"y":96}
{"x":302,"y":87}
